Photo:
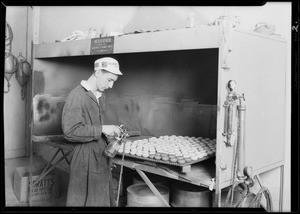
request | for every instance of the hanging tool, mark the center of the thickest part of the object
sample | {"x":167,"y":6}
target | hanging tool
{"x":23,"y":73}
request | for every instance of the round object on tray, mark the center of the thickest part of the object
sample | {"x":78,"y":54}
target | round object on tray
{"x":181,"y":161}
{"x":177,"y":152}
{"x":151,"y":156}
{"x":186,"y":156}
{"x":210,"y":153}
{"x":172,"y":156}
{"x":184,"y":153}
{"x":140,"y":195}
{"x":132,"y":152}
{"x":173,"y":160}
{"x":200,"y":156}
{"x":145,"y":155}
{"x":188,"y":160}
{"x":157,"y":157}
{"x":179,"y":157}
{"x":194,"y":157}
{"x":165,"y":158}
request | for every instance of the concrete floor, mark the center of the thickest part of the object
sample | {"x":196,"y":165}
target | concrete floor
{"x":12,"y":201}
{"x":10,"y":197}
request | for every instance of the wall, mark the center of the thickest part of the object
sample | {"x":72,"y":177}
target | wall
{"x":71,"y":18}
{"x":14,"y":107}
{"x":57,"y":23}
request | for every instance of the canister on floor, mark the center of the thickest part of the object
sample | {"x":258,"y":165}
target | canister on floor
{"x":189,"y":195}
{"x":140,"y":195}
{"x":237,"y":196}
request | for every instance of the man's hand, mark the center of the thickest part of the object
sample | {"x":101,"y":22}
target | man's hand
{"x":111,"y":130}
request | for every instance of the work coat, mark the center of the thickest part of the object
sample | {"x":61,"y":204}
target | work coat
{"x":90,"y":170}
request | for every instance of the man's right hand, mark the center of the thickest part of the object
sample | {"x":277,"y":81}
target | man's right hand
{"x":111,"y":130}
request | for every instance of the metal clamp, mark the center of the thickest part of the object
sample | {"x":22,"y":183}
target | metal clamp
{"x":212,"y":184}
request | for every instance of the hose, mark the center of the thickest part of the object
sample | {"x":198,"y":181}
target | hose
{"x":256,"y":202}
{"x":257,"y":199}
{"x":231,"y":193}
{"x":246,"y":193}
{"x":120,"y":178}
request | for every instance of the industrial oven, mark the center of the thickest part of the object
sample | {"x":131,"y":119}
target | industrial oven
{"x":183,"y":82}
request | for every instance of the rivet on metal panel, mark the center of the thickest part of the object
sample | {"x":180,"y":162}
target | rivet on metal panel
{"x":223,"y":166}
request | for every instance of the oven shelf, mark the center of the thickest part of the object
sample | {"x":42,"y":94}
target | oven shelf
{"x":178,"y":39}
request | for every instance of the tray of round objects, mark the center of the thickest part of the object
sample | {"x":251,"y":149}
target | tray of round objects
{"x":172,"y":150}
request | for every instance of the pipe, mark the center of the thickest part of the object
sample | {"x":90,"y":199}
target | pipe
{"x":241,"y":137}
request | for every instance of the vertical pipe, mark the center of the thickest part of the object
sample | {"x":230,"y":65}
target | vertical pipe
{"x":30,"y":175}
{"x":27,"y":86}
{"x":230,"y":123}
{"x":30,"y":116}
{"x":225,"y":119}
{"x":120,"y":177}
{"x":241,"y":137}
{"x":281,"y":188}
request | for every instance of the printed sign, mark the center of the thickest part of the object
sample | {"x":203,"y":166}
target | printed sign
{"x":44,"y":187}
{"x":104,"y":45}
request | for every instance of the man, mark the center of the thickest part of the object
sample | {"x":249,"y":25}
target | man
{"x":82,"y":123}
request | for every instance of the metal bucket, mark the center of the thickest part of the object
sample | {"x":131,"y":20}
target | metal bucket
{"x":140,"y":195}
{"x":188,"y":195}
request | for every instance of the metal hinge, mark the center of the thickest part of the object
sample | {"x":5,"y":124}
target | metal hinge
{"x":212,"y":184}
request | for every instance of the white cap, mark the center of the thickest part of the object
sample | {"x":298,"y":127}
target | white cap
{"x":109,"y":64}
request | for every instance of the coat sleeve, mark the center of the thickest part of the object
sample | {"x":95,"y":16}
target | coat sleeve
{"x":72,"y":122}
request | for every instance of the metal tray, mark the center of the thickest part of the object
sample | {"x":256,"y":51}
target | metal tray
{"x":168,"y":162}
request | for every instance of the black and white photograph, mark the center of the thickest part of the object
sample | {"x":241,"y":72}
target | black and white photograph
{"x":159,"y":107}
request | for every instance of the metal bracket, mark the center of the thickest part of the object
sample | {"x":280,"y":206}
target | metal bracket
{"x":212,"y":184}
{"x":48,"y":169}
{"x":152,"y":187}
{"x":186,"y":169}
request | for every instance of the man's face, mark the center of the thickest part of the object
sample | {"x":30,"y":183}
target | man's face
{"x":105,"y":80}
